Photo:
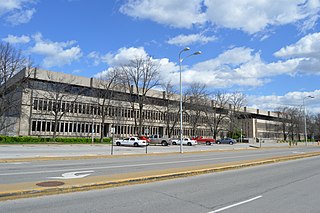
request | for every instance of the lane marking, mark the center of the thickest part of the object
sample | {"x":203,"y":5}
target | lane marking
{"x":236,"y":204}
{"x":134,"y":165}
{"x":298,"y":152}
{"x":73,"y":175}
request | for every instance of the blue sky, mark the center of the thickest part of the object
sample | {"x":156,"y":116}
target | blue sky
{"x":269,"y":50}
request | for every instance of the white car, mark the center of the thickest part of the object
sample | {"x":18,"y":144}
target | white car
{"x":131,"y":141}
{"x":185,"y":141}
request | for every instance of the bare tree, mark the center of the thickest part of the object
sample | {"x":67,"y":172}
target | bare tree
{"x":284,"y":127}
{"x":197,"y":96}
{"x":57,"y":92}
{"x":237,"y":101}
{"x":11,"y":62}
{"x":106,"y":85}
{"x":216,"y":123}
{"x":294,"y":117}
{"x":172,"y":109}
{"x":139,"y":76}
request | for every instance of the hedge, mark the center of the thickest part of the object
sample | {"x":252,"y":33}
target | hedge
{"x":41,"y":140}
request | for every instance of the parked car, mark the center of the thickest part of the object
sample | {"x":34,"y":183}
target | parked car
{"x":226,"y":141}
{"x":185,"y":141}
{"x":207,"y":141}
{"x":131,"y":141}
{"x":144,"y":138}
{"x":162,"y":140}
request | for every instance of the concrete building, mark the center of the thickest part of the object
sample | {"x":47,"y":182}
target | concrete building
{"x":71,"y":104}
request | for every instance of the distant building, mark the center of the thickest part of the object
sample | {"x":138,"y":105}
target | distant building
{"x":79,"y":114}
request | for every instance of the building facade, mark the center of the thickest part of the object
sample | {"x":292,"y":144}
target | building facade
{"x":72,"y":106}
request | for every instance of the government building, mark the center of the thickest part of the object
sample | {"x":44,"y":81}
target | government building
{"x":70,"y":106}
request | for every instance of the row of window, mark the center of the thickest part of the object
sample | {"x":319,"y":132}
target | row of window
{"x":47,"y":126}
{"x":111,"y":111}
{"x":64,"y":126}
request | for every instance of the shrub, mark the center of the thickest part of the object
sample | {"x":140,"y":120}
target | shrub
{"x":42,"y":140}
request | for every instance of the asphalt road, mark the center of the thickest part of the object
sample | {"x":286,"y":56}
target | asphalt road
{"x":291,"y":186}
{"x":36,"y":171}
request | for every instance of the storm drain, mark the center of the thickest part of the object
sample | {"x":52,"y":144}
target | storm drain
{"x":50,"y":183}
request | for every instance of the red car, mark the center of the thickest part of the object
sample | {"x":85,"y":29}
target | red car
{"x":207,"y":141}
{"x":144,"y":138}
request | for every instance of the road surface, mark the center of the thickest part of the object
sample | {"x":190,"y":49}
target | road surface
{"x":291,"y":186}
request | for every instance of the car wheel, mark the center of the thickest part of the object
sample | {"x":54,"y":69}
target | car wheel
{"x":174,"y":143}
{"x":164,"y":143}
{"x":218,"y":142}
{"x":135,"y":144}
{"x":208,"y":143}
{"x":230,"y":142}
{"x":118,"y":143}
{"x":189,"y":144}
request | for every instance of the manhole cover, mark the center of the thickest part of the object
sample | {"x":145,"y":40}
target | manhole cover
{"x":50,"y":183}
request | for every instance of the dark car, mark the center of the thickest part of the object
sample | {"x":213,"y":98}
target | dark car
{"x":226,"y":141}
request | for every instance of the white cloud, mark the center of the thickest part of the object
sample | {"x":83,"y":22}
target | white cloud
{"x":178,"y":13}
{"x":123,"y":55}
{"x":17,"y":12}
{"x":307,"y":49}
{"x":185,"y":40}
{"x":239,"y":66}
{"x":96,"y":57}
{"x":308,"y":46}
{"x":55,"y":53}
{"x":251,"y":16}
{"x":21,"y":17}
{"x":16,"y":39}
{"x":291,"y":99}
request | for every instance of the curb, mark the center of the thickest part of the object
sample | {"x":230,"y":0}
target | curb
{"x":10,"y":195}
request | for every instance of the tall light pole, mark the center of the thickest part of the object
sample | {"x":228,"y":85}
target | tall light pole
{"x":180,"y":66}
{"x":305,"y":119}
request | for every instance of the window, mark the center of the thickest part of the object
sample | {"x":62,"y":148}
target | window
{"x":40,"y":104}
{"x":45,"y":105}
{"x":34,"y":124}
{"x":38,"y":126}
{"x":75,"y":108}
{"x":67,"y":106}
{"x":48,"y":126}
{"x":62,"y":127}
{"x":80,"y":108}
{"x":35,"y":104}
{"x":43,"y":127}
{"x":63,"y":107}
{"x":50,"y":106}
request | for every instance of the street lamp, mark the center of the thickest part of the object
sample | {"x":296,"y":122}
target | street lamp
{"x":180,"y":66}
{"x":305,"y":119}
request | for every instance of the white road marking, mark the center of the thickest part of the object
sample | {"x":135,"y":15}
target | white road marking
{"x":17,"y":163}
{"x":297,"y":152}
{"x":236,"y":204}
{"x":73,"y":175}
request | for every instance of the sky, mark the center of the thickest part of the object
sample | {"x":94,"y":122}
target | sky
{"x":268,"y":50}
